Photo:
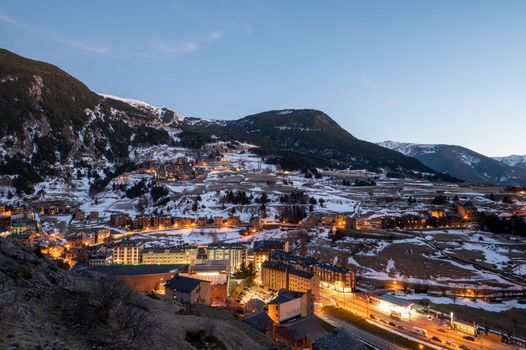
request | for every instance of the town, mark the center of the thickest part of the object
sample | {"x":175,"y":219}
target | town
{"x":308,"y":258}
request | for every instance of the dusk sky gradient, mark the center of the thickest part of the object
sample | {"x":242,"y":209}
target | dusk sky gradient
{"x":415,"y":71}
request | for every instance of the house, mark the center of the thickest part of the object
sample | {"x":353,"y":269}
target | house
{"x":188,"y":290}
{"x":300,"y":333}
{"x":259,"y":321}
{"x":288,"y":305}
{"x":79,"y":215}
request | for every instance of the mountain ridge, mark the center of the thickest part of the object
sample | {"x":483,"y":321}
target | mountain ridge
{"x":461,"y":163}
{"x":55,"y":124}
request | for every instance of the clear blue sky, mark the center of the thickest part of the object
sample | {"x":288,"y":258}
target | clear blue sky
{"x":420,"y":71}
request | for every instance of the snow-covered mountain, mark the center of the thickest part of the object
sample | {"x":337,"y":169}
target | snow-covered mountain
{"x":461,"y":163}
{"x":55,"y":126}
{"x":513,"y":160}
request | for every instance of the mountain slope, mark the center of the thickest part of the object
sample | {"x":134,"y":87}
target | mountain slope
{"x":461,"y":163}
{"x":53,"y":125}
{"x":51,"y":122}
{"x":44,"y":307}
{"x":307,"y":137}
{"x":513,"y":161}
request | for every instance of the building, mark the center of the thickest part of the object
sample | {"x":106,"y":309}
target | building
{"x":127,"y":252}
{"x":234,"y":253}
{"x":330,"y":276}
{"x":392,"y":305}
{"x":299,"y":333}
{"x":142,"y":278}
{"x":404,"y":222}
{"x":162,"y":221}
{"x":214,"y":271}
{"x":173,"y":255}
{"x":467,"y":211}
{"x":288,"y":305}
{"x":5,"y":221}
{"x":263,"y":250}
{"x":23,"y":225}
{"x":259,"y":321}
{"x":277,"y":275}
{"x":99,"y":259}
{"x":93,"y":216}
{"x":464,"y":327}
{"x":80,"y":215}
{"x":142,"y":222}
{"x":119,"y":220}
{"x":188,"y":290}
{"x":101,"y":234}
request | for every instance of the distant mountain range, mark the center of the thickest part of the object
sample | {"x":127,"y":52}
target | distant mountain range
{"x":464,"y":163}
{"x":513,"y":160}
{"x":52,"y":124}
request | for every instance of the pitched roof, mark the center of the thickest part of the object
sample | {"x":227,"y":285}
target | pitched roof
{"x":259,"y":320}
{"x":184,"y":284}
{"x":286,"y":295}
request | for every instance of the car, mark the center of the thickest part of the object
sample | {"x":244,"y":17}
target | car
{"x":469,"y":337}
{"x":400,"y":326}
{"x":383,"y":321}
{"x":437,"y":339}
{"x":392,"y":324}
{"x":464,"y":347}
{"x":451,"y":344}
{"x":441,"y":330}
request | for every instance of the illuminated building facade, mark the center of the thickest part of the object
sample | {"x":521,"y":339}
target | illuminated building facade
{"x":174,"y":255}
{"x":127,"y":252}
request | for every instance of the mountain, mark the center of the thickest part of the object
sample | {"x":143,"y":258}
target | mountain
{"x":461,"y":163}
{"x":310,"y":138}
{"x":46,"y":307}
{"x":513,"y":161}
{"x":54,"y":125}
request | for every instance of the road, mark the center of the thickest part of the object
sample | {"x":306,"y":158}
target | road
{"x":357,"y":304}
{"x":367,"y":337}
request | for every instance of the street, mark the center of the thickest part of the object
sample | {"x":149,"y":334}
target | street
{"x":358,"y":305}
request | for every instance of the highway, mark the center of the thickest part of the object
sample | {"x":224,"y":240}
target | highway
{"x":357,"y":304}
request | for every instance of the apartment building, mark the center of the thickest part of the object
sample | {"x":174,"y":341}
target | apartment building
{"x":127,"y":252}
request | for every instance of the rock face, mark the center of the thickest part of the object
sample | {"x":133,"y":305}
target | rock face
{"x":44,"y":307}
{"x":461,"y":163}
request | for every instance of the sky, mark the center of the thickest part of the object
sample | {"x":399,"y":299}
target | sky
{"x":433,"y":71}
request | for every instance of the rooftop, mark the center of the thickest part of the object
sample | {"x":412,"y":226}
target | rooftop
{"x":286,"y":295}
{"x":184,"y":284}
{"x":395,"y":300}
{"x":259,"y":320}
{"x":136,"y":270}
